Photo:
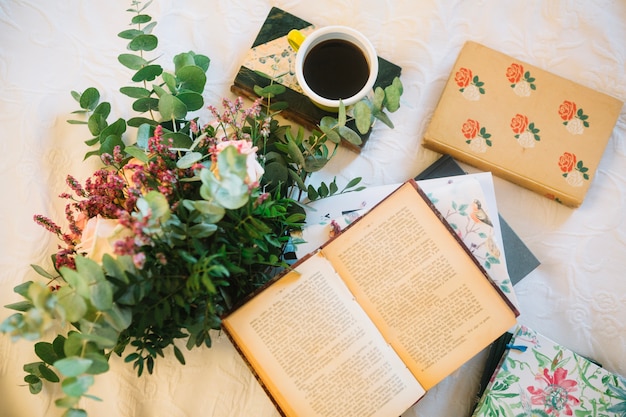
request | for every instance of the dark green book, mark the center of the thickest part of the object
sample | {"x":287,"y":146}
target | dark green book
{"x":270,"y":54}
{"x":520,"y":261}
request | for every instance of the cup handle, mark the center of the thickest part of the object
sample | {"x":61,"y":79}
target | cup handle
{"x":295,"y":39}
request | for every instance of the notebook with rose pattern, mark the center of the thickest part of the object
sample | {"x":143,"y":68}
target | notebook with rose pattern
{"x":522,"y":123}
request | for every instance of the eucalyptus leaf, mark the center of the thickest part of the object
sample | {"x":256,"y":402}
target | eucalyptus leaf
{"x":202,"y":61}
{"x":89,"y":99}
{"x":170,"y":82}
{"x":362,"y":117}
{"x":192,"y":100}
{"x":187,"y":160}
{"x":182,"y":60}
{"x":132,"y":61}
{"x":144,"y":133}
{"x":73,"y":366}
{"x":96,"y":124}
{"x":135,"y":92}
{"x":138,"y":153}
{"x":140,"y":19}
{"x":350,"y":135}
{"x":130,"y":33}
{"x":192,"y":78}
{"x":143,"y":105}
{"x":42,"y":271}
{"x":171,"y":107}
{"x":143,"y":42}
{"x":392,"y":95}
{"x":45,"y":352}
{"x":148,"y":73}
{"x":77,"y":386}
{"x":73,"y":304}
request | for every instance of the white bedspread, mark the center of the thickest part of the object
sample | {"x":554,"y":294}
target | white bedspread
{"x":48,"y":48}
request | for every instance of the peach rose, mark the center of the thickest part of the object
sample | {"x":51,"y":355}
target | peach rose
{"x":470,"y":128}
{"x":254,"y":169}
{"x":99,"y":236}
{"x":567,"y":110}
{"x":567,"y":161}
{"x":463,"y":77}
{"x":519,"y":123}
{"x":514,"y":73}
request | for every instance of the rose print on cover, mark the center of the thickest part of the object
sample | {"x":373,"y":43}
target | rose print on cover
{"x":575,"y":120}
{"x":471,"y":86}
{"x":525,"y":133}
{"x":477,"y":137}
{"x":521,"y":82}
{"x":574,"y":172}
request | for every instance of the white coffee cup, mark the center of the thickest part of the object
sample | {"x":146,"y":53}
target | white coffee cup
{"x":329,"y":65}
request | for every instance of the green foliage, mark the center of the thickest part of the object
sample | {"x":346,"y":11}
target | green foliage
{"x":204,"y":231}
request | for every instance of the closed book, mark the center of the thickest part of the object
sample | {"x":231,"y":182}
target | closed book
{"x":522,"y":123}
{"x":538,"y":377}
{"x":271,"y":60}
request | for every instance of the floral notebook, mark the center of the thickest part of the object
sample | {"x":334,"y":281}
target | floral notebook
{"x":540,"y":378}
{"x":522,"y":123}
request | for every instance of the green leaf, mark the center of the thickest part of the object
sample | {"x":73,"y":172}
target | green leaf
{"x":20,"y":306}
{"x":341,"y":117}
{"x":75,"y":281}
{"x":382,"y":116}
{"x":73,"y":366}
{"x":48,"y":374}
{"x":135,"y":92}
{"x":350,"y":135}
{"x":143,"y":105}
{"x":171,"y":107}
{"x":77,"y":386}
{"x":144,"y":42}
{"x":96,"y":124}
{"x":179,"y":355}
{"x":138,"y":153}
{"x":141,"y":18}
{"x":363,"y":117}
{"x":67,"y":402}
{"x":89,"y":99}
{"x":45,"y":352}
{"x":392,"y":95}
{"x":187,"y":160}
{"x":132,"y":61}
{"x":130,"y":33}
{"x":148,"y":73}
{"x":192,"y":100}
{"x":202,"y":61}
{"x":295,"y":153}
{"x":182,"y":60}
{"x":34,"y":384}
{"x":192,"y":78}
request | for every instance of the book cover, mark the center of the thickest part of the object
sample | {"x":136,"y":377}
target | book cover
{"x":538,"y":377}
{"x":524,"y":124}
{"x":373,"y":319}
{"x":270,"y":54}
{"x":520,"y":261}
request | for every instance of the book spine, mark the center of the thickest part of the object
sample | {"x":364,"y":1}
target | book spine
{"x":548,"y":192}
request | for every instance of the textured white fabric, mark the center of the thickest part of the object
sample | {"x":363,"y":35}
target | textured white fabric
{"x":577,"y":296}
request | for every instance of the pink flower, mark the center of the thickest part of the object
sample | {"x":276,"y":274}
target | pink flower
{"x":555,"y":397}
{"x":244,"y":147}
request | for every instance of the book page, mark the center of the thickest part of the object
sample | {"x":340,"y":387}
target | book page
{"x":425,"y":293}
{"x":317,"y":352}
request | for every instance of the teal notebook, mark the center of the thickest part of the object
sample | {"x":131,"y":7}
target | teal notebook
{"x":270,"y":54}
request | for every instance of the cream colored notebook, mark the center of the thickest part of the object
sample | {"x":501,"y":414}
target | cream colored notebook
{"x":522,"y":123}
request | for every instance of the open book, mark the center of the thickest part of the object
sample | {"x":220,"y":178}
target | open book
{"x":374,"y":318}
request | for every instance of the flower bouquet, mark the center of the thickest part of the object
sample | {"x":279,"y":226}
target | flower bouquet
{"x":182,"y":221}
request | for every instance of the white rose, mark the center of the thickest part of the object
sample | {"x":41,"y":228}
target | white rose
{"x":575,"y":126}
{"x":478,"y":145}
{"x":526,"y":140}
{"x":575,"y":178}
{"x":522,"y":89}
{"x":99,"y":236}
{"x":471,"y":93}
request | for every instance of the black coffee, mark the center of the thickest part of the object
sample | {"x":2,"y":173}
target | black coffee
{"x":335,"y":69}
